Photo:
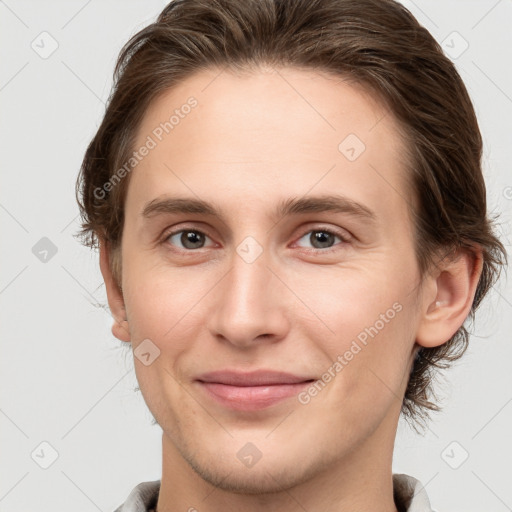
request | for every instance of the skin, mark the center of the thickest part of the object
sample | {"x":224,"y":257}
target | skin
{"x":253,"y":140}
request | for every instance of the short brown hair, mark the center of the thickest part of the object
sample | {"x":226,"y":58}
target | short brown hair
{"x":376,"y":43}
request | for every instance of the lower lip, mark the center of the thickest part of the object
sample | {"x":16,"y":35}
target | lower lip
{"x":251,"y":398}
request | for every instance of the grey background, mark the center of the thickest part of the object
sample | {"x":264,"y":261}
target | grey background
{"x":66,"y":381}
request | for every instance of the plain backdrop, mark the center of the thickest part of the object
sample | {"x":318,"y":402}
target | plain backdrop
{"x":75,"y":432}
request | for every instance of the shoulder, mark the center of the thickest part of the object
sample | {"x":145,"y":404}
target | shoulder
{"x":410,"y":494}
{"x":143,"y":498}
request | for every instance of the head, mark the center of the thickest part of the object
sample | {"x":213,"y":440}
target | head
{"x":340,"y":157}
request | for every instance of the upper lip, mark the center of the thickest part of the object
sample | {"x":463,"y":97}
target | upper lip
{"x":254,"y":378}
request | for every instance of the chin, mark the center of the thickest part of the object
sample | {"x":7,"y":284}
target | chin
{"x":273,"y":473}
{"x":253,"y":481}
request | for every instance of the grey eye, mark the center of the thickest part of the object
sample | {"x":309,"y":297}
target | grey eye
{"x":321,"y":238}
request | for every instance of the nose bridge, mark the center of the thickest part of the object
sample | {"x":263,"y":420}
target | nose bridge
{"x":248,"y":305}
{"x":250,"y":278}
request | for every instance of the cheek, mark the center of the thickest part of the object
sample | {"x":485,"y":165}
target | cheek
{"x":162,"y":307}
{"x":160,"y":300}
{"x":371,"y":318}
{"x":350,"y":300}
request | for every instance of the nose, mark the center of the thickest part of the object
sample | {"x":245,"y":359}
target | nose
{"x":251,"y":304}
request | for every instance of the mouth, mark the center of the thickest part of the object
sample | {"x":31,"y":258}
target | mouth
{"x":251,"y":391}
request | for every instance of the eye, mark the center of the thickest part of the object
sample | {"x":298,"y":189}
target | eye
{"x":322,"y":238}
{"x":189,"y":238}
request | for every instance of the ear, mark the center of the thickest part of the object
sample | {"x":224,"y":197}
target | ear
{"x":120,"y":327}
{"x":448,"y":297}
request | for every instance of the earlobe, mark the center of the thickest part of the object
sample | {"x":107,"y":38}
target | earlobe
{"x":445,"y":310}
{"x":120,"y":327}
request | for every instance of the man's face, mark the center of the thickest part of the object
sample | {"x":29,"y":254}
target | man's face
{"x":256,"y":290}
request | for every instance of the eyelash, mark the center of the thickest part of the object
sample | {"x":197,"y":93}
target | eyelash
{"x":344,"y":239}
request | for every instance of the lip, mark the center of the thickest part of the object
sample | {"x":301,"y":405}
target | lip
{"x":251,"y":391}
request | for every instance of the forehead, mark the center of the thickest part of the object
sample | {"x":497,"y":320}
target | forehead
{"x":268,"y":134}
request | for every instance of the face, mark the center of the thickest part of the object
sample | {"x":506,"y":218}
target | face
{"x":268,"y":262}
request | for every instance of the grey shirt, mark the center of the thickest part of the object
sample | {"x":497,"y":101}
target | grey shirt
{"x":409,"y":494}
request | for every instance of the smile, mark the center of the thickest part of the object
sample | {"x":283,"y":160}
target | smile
{"x":251,"y":391}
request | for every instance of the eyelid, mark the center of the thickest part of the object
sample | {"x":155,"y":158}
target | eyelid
{"x":342,"y":233}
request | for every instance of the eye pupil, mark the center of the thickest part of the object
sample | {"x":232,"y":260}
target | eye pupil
{"x":321,"y":237}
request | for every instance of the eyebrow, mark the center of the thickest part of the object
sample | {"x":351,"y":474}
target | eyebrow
{"x":286,"y":207}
